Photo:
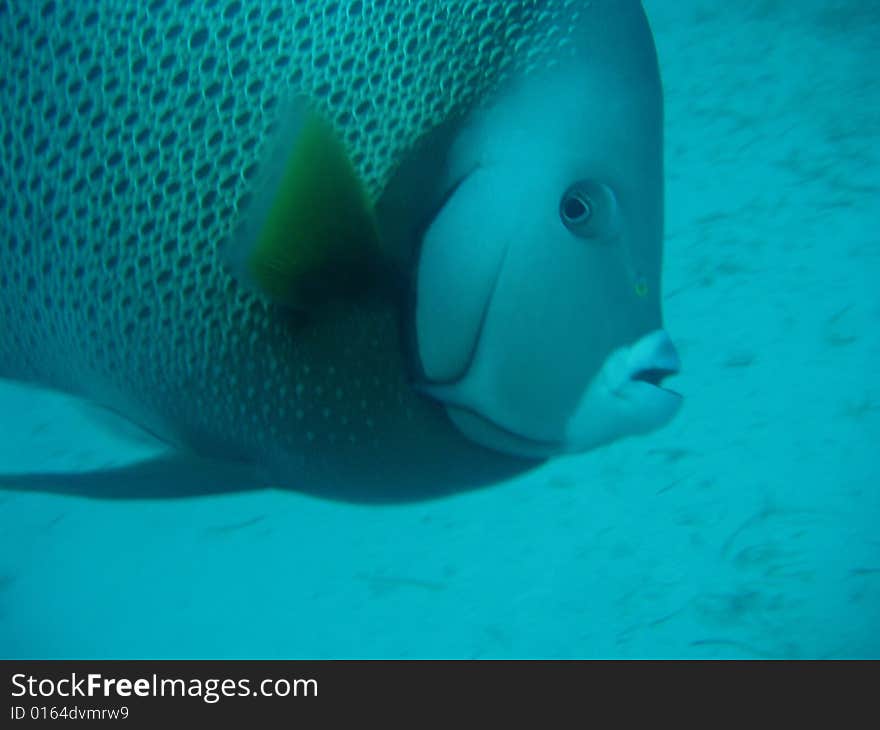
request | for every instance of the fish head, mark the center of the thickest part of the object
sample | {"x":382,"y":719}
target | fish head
{"x":537,"y":317}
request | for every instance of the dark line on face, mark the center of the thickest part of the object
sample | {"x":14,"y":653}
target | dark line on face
{"x":455,"y":380}
{"x":409,"y":336}
{"x":550,"y":445}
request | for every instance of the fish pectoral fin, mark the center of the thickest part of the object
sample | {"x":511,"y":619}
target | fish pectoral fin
{"x":308,"y":231}
{"x":167,"y":476}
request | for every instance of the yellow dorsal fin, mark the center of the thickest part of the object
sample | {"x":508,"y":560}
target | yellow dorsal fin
{"x":309,"y":232}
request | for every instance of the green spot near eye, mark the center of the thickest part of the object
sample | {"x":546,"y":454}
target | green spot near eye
{"x":641,"y":288}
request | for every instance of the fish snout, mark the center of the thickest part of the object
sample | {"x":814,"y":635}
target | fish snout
{"x":627,"y":397}
{"x":650,"y":360}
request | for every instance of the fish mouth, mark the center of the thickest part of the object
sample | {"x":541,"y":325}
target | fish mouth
{"x":654,"y":376}
{"x":628,"y":396}
{"x":649,"y":361}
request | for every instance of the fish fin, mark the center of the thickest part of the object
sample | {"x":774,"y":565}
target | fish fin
{"x":111,"y":421}
{"x":167,"y":476}
{"x":308,"y":230}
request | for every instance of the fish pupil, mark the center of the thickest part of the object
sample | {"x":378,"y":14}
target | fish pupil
{"x":575,"y":210}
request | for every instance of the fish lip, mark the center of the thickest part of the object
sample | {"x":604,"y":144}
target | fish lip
{"x":646,"y":364}
{"x":640,"y":390}
{"x":654,"y":377}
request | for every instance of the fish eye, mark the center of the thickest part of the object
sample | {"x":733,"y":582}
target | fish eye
{"x":589,"y":210}
{"x":575,"y":209}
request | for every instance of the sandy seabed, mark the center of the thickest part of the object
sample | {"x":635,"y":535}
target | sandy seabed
{"x":746,"y":528}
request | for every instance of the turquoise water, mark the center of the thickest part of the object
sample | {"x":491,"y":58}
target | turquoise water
{"x":746,"y":528}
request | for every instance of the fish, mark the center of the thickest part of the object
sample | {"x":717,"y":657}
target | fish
{"x":367,"y":251}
